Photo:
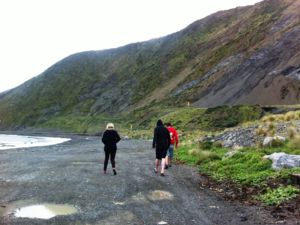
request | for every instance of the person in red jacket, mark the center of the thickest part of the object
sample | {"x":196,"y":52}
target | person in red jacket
{"x":174,"y":141}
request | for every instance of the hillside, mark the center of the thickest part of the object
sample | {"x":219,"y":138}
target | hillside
{"x":246,"y":55}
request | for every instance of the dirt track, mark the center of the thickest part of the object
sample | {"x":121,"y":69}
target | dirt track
{"x":71,"y":173}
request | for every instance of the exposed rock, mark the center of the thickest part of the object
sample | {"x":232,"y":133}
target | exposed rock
{"x":283,"y":160}
{"x":235,"y":149}
{"x":238,"y":137}
{"x":269,"y":140}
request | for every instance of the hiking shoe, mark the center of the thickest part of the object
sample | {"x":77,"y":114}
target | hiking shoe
{"x":166,"y":167}
{"x":162,"y":174}
{"x":115,"y":172}
{"x":155,"y":170}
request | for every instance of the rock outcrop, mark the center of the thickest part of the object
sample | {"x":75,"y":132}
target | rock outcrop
{"x":282,"y":160}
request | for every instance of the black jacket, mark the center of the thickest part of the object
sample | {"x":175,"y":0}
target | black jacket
{"x":110,"y":138}
{"x":161,"y":139}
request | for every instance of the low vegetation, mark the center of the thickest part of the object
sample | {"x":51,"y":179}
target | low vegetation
{"x":245,"y":167}
{"x":279,"y":195}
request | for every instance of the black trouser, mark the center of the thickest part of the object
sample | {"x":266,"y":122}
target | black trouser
{"x":110,"y":154}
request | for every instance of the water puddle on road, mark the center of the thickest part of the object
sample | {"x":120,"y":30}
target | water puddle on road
{"x":160,"y":195}
{"x":84,"y":163}
{"x":45,"y":211}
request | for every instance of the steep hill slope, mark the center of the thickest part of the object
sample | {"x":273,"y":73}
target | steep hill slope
{"x":244,"y":55}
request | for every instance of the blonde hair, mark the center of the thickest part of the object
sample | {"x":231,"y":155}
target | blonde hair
{"x":110,"y":126}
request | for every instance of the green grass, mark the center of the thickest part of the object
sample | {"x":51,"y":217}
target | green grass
{"x":80,"y":124}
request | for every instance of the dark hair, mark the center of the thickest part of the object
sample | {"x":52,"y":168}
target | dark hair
{"x":159,"y":123}
{"x":168,"y":124}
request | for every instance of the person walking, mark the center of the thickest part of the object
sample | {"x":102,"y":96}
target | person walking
{"x":161,"y":143}
{"x":110,"y":138}
{"x":174,"y":141}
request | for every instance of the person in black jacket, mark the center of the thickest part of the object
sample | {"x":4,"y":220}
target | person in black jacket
{"x":110,"y":138}
{"x":161,"y":143}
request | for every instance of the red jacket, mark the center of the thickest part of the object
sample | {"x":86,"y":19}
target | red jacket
{"x":173,"y":135}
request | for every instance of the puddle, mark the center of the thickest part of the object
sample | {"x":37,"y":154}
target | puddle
{"x":162,"y":223}
{"x":45,"y":211}
{"x":119,"y":203}
{"x":83,"y":163}
{"x":160,"y":195}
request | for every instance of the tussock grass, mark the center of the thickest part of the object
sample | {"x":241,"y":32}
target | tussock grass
{"x":207,"y":155}
{"x":291,"y":132}
{"x":268,"y":130}
{"x":289,"y":116}
{"x":261,"y":131}
{"x":202,"y":155}
{"x":294,"y":142}
{"x":194,"y":152}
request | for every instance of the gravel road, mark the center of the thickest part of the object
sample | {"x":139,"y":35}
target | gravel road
{"x":71,"y":173}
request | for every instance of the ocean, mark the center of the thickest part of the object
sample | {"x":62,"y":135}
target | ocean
{"x":20,"y":141}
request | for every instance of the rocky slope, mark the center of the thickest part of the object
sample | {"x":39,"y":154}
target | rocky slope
{"x":247,"y":55}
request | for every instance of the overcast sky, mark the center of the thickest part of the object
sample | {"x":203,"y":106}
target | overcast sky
{"x":35,"y":34}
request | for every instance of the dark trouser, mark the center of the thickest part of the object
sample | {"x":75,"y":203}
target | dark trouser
{"x":110,"y":154}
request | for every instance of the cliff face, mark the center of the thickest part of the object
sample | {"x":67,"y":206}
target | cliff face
{"x":247,"y":55}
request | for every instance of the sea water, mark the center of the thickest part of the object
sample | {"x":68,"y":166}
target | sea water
{"x":20,"y":141}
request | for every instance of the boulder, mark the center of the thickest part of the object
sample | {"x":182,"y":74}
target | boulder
{"x":283,"y":160}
